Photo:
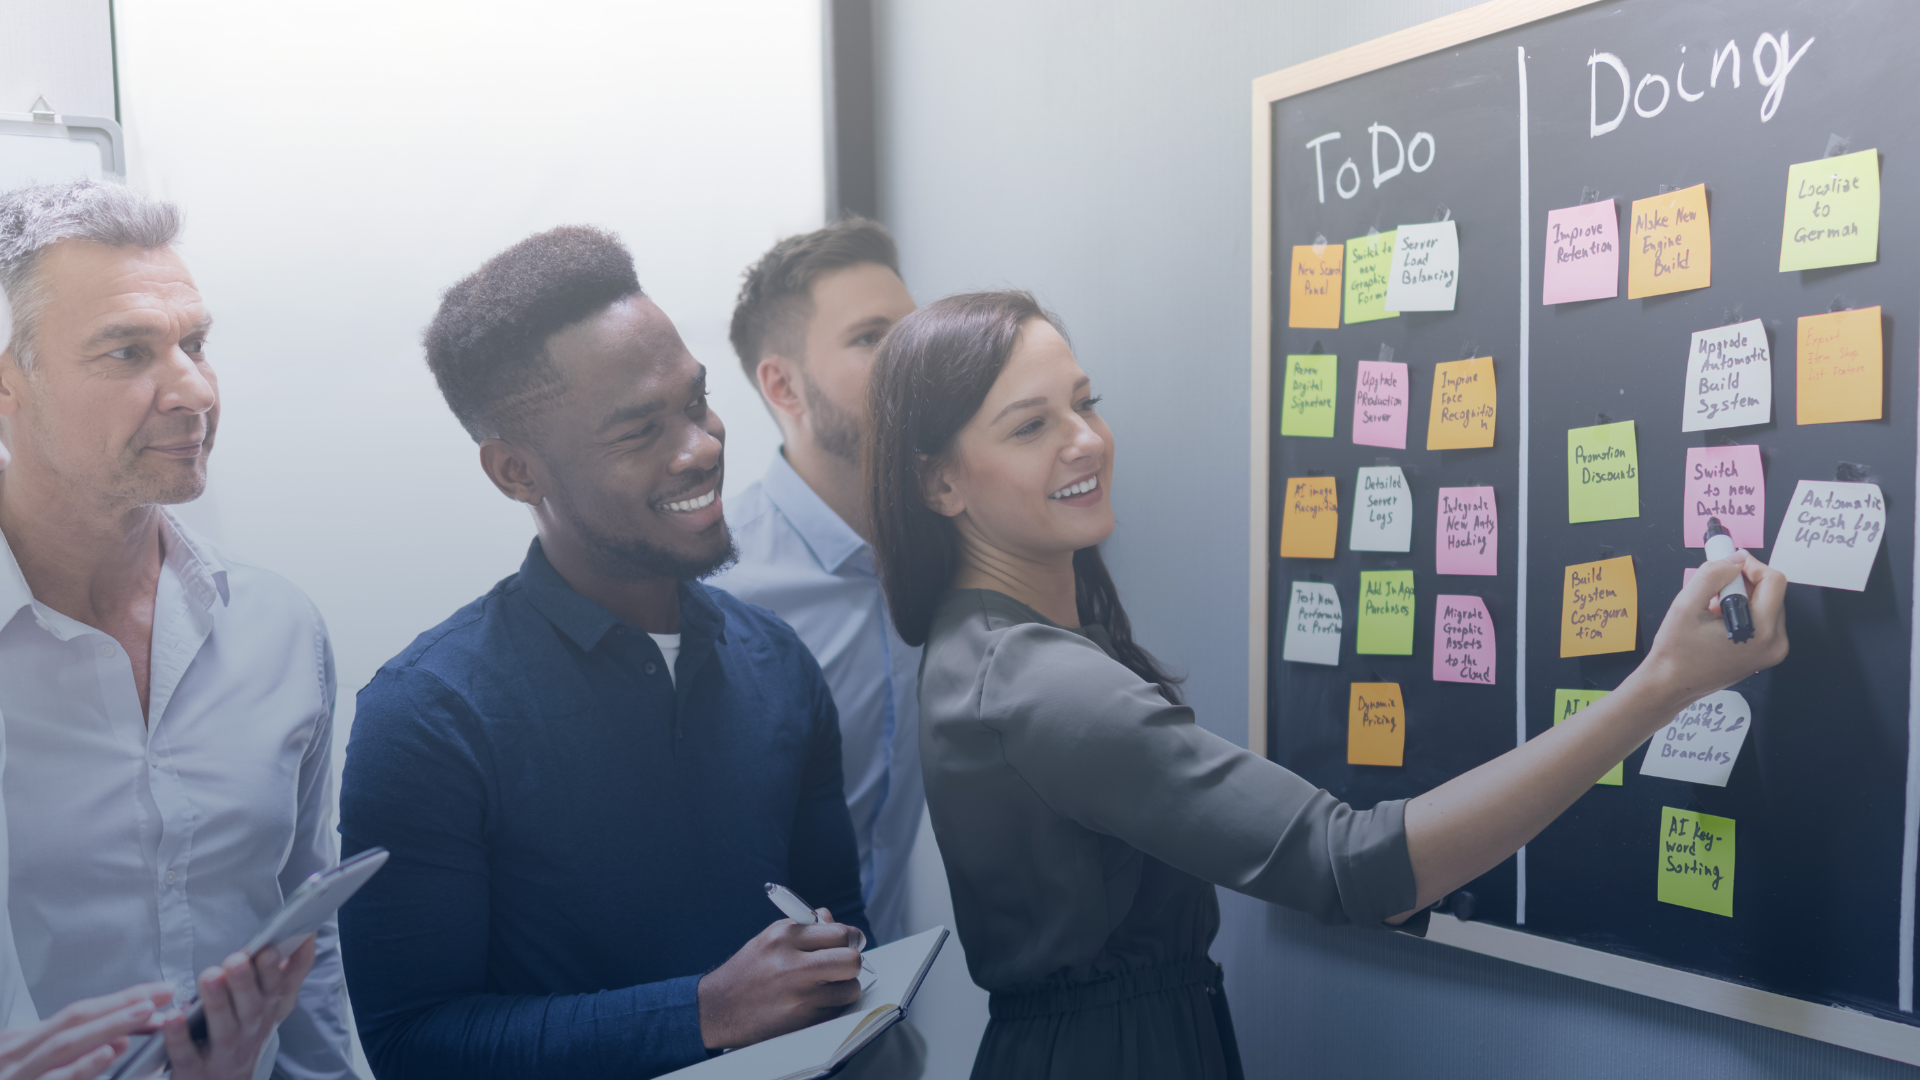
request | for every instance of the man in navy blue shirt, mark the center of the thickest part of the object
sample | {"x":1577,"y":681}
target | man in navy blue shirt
{"x":587,"y":775}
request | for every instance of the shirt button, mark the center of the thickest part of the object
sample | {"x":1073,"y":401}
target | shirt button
{"x":106,"y":650}
{"x":153,"y":760}
{"x":652,"y":667}
{"x":169,"y":877}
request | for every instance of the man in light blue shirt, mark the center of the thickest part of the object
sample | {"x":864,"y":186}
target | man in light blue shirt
{"x":810,"y":315}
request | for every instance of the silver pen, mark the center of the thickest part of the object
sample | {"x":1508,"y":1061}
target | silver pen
{"x":801,"y":912}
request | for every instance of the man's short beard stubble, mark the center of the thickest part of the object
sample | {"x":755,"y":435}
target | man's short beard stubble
{"x":128,"y":482}
{"x":630,"y":558}
{"x":837,"y":430}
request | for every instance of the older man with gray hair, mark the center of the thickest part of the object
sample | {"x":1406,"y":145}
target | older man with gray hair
{"x":169,"y":711}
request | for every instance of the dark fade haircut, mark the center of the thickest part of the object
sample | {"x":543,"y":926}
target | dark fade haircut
{"x":776,"y":295}
{"x":487,"y":344}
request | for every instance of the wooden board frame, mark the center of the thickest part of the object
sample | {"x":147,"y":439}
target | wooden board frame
{"x":1826,"y":1023}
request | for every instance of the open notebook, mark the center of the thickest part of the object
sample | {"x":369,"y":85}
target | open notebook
{"x":818,"y":1050}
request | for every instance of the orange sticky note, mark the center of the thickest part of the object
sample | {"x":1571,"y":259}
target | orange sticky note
{"x":1310,"y":522}
{"x":1600,"y":609}
{"x":1313,"y":300}
{"x":1464,"y":401}
{"x":1376,"y":724}
{"x":1839,"y":363}
{"x":1672,"y":248}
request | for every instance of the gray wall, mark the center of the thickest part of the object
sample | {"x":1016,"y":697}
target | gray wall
{"x":1096,"y":151}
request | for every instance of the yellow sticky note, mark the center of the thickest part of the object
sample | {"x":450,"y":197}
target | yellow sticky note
{"x":1369,"y":259}
{"x":1696,"y":860}
{"x":1306,"y":400}
{"x":1386,"y":613}
{"x":1600,"y":609}
{"x":1839,"y":362}
{"x":1464,"y":403}
{"x":1310,"y":521}
{"x":1833,"y":212}
{"x":1376,"y":724}
{"x":1314,"y":299}
{"x":1603,"y":472}
{"x":1568,"y":702}
{"x":1672,"y":249}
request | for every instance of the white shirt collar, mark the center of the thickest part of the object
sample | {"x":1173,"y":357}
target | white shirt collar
{"x":831,"y":539}
{"x":202,"y":574}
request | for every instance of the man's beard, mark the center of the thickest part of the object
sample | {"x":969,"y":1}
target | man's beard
{"x":635,"y":559}
{"x":837,"y":430}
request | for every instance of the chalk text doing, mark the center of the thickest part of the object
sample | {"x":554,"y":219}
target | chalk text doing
{"x":1773,"y":59}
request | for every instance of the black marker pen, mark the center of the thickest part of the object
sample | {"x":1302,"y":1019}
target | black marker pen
{"x":1733,"y":598}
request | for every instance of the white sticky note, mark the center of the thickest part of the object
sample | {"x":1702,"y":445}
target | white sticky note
{"x":1313,"y":625}
{"x":1729,"y":378}
{"x":1831,"y":533}
{"x":1702,"y":743}
{"x":1426,"y":267}
{"x":1382,"y":510}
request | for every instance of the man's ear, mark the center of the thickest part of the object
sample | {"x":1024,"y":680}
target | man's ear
{"x":510,"y":468}
{"x":936,"y":487}
{"x":779,"y":380}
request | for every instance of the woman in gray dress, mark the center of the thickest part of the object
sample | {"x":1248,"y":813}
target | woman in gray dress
{"x":1083,"y":816}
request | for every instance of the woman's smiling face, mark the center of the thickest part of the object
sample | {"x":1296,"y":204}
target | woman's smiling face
{"x":1028,"y":475}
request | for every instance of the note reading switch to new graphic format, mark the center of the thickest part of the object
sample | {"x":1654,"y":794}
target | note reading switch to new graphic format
{"x":1369,"y":261}
{"x":1306,"y":399}
{"x":1382,"y":510}
{"x":1725,"y":482}
{"x":1467,"y":534}
{"x":1568,"y":702}
{"x":1464,"y":405}
{"x":1696,"y":861}
{"x":1603,"y":472}
{"x":1426,"y":267}
{"x":1313,"y":624}
{"x":1729,"y":378}
{"x":1831,"y":534}
{"x":1833,"y":212}
{"x":1599,"y":608}
{"x":1672,"y":249}
{"x":1310,"y":521}
{"x":1376,"y":724}
{"x":1313,"y":300}
{"x":1386,"y":613}
{"x":1702,"y":743}
{"x":1380,"y":395}
{"x":1583,"y":253}
{"x":1462,"y":640}
{"x":1839,"y":365}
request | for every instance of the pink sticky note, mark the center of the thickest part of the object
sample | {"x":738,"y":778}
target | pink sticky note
{"x":1725,"y":482}
{"x":1686,"y":576}
{"x":1462,"y":640}
{"x":1466,"y":532}
{"x":1583,"y":253}
{"x":1380,"y":404}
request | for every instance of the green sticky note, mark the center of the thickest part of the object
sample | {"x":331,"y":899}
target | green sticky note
{"x":1369,"y":261}
{"x":1603,"y":472}
{"x":1386,"y":613}
{"x":1696,"y":861}
{"x":1833,"y":212}
{"x":1568,"y":702}
{"x":1306,"y":402}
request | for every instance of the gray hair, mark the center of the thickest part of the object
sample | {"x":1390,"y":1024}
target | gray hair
{"x":34,"y":218}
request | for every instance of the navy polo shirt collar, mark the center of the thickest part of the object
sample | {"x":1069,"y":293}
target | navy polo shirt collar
{"x":586,"y":623}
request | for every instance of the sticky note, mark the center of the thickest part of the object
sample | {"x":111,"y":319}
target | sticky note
{"x":1831,"y":533}
{"x":1672,"y":248}
{"x":1467,"y":534}
{"x":1313,"y":624}
{"x":1724,"y":482}
{"x":1833,"y":212}
{"x":1306,"y":399}
{"x":1599,"y":608}
{"x":1696,"y":861}
{"x":1382,"y":510}
{"x":1386,"y":613}
{"x":1310,"y":520}
{"x":1603,"y":472}
{"x":1380,"y":396}
{"x":1839,"y":366}
{"x":1313,"y":298}
{"x":1369,"y":259}
{"x":1702,"y":743}
{"x":1426,"y":267}
{"x":1583,"y":253}
{"x":1376,"y":724}
{"x":1464,"y":400}
{"x":1568,"y":702}
{"x":1462,"y":640}
{"x":1729,"y":378}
